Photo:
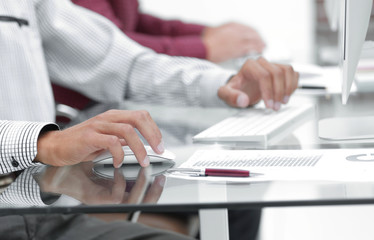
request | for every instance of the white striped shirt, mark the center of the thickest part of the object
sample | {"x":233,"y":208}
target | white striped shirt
{"x":84,"y":51}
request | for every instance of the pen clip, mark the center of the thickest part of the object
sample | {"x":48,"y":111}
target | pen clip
{"x":187,"y":171}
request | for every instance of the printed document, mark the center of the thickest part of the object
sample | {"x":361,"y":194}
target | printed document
{"x":274,"y":165}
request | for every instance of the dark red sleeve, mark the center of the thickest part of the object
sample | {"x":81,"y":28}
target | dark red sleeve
{"x":189,"y":46}
{"x":102,"y":7}
{"x":155,"y":26}
{"x":170,"y":37}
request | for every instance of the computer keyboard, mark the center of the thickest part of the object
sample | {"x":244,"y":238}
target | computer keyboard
{"x":257,"y":125}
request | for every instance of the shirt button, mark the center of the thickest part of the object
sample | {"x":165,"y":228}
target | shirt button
{"x":15,"y":163}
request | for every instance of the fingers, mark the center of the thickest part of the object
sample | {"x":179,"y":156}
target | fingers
{"x":135,"y":144}
{"x":142,"y":121}
{"x":115,"y":128}
{"x":107,"y":131}
{"x":129,"y":135}
{"x":111,"y":143}
{"x":122,"y":124}
{"x":254,"y":47}
{"x":251,"y":39}
{"x":254,"y":71}
{"x":148,"y":128}
{"x":255,"y":42}
{"x":233,"y":97}
{"x":278,"y":81}
{"x":292,"y":78}
{"x":275,"y":84}
{"x":123,"y":142}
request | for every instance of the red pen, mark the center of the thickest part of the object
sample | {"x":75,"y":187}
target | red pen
{"x":218,"y":172}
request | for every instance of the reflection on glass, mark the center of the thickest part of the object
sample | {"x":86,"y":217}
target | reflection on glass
{"x":42,"y":186}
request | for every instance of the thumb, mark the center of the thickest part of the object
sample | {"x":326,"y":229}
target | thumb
{"x":233,"y":97}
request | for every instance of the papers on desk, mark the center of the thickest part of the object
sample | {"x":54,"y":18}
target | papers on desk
{"x":329,"y":78}
{"x":308,"y":70}
{"x":289,"y":165}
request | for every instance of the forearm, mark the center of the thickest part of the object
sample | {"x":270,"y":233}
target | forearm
{"x":95,"y":58}
{"x":188,"y":82}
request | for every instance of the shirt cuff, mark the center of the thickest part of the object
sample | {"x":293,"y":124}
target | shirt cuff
{"x":18,"y":144}
{"x":192,"y":28}
{"x":212,"y":80}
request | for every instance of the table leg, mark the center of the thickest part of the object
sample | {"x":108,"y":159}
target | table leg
{"x":214,"y":224}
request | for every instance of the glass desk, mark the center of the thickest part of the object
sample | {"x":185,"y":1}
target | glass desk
{"x":150,"y":190}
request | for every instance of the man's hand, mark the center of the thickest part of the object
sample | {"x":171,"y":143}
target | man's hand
{"x":108,"y":131}
{"x":259,"y":79}
{"x":231,"y":40}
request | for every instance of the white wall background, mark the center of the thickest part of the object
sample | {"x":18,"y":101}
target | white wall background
{"x":287,"y":24}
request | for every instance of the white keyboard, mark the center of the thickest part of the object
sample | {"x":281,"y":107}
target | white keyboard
{"x":256,"y":125}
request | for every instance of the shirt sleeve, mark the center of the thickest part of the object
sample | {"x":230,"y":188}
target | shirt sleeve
{"x":18,"y":144}
{"x":88,"y":53}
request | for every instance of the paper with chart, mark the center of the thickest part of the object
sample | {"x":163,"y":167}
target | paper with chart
{"x":269,"y":165}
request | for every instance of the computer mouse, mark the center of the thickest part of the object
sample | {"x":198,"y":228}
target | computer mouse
{"x":106,"y":157}
{"x":130,"y":168}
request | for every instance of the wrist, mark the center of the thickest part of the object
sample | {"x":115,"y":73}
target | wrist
{"x":208,"y":42}
{"x":45,"y":147}
{"x":205,"y":32}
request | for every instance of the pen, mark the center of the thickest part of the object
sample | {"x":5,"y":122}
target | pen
{"x":211,"y":172}
{"x":312,"y":87}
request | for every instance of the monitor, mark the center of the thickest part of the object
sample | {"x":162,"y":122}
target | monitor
{"x":353,"y":24}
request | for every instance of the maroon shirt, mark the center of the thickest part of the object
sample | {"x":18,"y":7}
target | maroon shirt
{"x":170,"y":37}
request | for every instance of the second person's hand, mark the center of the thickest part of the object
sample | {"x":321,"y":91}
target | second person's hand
{"x":231,"y":40}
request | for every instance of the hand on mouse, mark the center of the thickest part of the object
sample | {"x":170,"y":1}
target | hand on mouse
{"x":107,"y":131}
{"x":259,"y":79}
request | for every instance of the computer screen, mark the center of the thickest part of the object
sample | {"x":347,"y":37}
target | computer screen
{"x":353,"y":26}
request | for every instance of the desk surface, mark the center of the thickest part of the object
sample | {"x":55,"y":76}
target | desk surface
{"x":78,"y":189}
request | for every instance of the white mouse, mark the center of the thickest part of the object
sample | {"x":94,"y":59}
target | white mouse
{"x":106,"y":157}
